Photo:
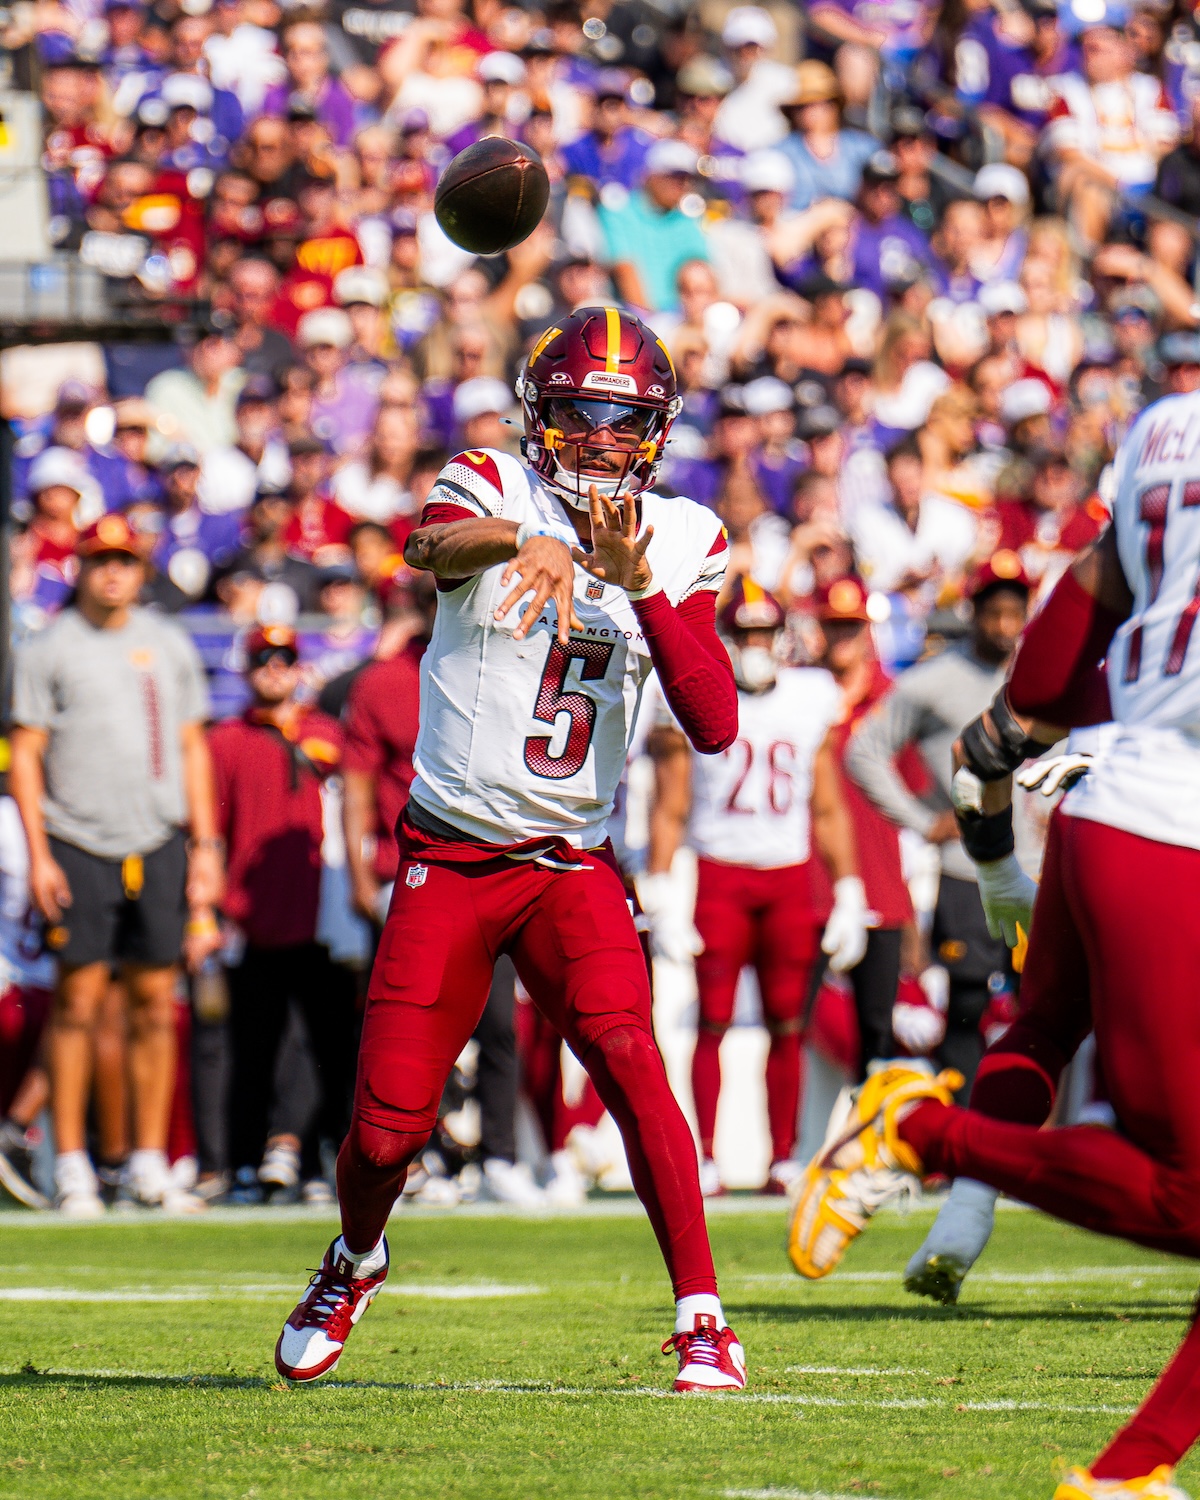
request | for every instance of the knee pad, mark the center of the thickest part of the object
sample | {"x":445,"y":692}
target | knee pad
{"x":629,"y":1057}
{"x":616,"y":997}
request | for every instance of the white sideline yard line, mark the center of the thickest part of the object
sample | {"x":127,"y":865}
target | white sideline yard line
{"x":546,"y":1389}
{"x":465,"y":1293}
{"x":847,"y":1370}
{"x":1070,"y":1277}
{"x":785,"y":1494}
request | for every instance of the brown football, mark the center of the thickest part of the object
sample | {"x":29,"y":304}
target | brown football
{"x":492,"y":196}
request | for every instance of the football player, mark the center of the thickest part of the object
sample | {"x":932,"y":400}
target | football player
{"x":1113,"y":945}
{"x":562,"y":581}
{"x":753,"y":815}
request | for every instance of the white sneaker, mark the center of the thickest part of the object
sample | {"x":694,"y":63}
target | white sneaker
{"x":954,"y":1243}
{"x":782,"y":1178}
{"x":438,"y":1192}
{"x":280,"y":1167}
{"x":76,"y":1190}
{"x":147,"y":1180}
{"x":317,"y":1193}
{"x":504,"y":1182}
{"x":185,"y":1173}
{"x":711,"y":1185}
{"x":567,"y":1186}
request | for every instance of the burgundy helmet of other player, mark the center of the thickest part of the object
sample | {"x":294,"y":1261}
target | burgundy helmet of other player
{"x":599,"y":397}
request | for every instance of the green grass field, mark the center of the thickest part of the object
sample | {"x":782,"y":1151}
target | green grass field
{"x":520,"y":1358}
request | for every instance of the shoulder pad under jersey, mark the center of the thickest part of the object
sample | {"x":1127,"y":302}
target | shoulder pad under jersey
{"x":483,"y":480}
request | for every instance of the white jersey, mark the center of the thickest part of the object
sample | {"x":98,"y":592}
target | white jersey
{"x":23,"y":959}
{"x":750,"y":804}
{"x":1145,"y":778}
{"x":523,"y":739}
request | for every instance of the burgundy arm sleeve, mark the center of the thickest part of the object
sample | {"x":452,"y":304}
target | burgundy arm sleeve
{"x":693,"y":667}
{"x":1057,"y":675}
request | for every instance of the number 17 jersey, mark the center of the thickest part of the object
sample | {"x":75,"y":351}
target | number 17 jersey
{"x":1145,"y":776}
{"x":527,"y":739}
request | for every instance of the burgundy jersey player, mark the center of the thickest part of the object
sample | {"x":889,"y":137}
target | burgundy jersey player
{"x":562,"y":583}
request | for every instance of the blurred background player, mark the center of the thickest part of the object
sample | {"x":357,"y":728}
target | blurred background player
{"x":754,"y":815}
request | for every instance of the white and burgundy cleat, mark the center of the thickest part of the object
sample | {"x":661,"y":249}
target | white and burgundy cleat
{"x":710,"y":1359}
{"x":313,"y":1337}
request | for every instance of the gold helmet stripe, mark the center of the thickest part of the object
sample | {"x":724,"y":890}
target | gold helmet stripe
{"x":612,"y":356}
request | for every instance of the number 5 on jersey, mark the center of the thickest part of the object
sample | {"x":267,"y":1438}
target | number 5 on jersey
{"x":552,"y":700}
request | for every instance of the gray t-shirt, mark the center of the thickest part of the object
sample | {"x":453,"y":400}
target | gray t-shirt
{"x":113,"y":703}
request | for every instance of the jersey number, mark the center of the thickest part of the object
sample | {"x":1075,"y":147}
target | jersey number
{"x":1152,"y":510}
{"x":579,"y":708}
{"x":780,"y":756}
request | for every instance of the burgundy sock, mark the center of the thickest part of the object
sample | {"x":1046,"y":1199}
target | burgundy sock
{"x":1166,"y":1424}
{"x":371,"y":1168}
{"x":630,"y":1078}
{"x":706,"y":1085}
{"x":783,"y":1093}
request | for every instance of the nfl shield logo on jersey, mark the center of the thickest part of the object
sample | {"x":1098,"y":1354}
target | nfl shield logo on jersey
{"x":416,"y":876}
{"x":595,"y":589}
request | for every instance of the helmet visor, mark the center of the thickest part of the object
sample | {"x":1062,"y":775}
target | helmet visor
{"x":577,"y":418}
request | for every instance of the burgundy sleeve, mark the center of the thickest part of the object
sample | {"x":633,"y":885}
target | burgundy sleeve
{"x":363,"y":749}
{"x":1057,"y":675}
{"x":693,"y":667}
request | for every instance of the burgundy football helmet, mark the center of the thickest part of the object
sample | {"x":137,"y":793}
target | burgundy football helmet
{"x":597,"y":371}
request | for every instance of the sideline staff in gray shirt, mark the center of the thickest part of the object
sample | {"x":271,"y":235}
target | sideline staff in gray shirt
{"x":109,"y":766}
{"x":929,"y":707}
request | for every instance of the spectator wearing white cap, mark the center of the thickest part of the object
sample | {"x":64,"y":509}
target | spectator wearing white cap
{"x":749,"y":116}
{"x":740,"y":249}
{"x":480,"y":406}
{"x":364,"y":293}
{"x":1004,"y":193}
{"x":44,"y":564}
{"x":505,"y":102}
{"x":1025,"y":411}
{"x":652,"y":233}
{"x":345,"y":397}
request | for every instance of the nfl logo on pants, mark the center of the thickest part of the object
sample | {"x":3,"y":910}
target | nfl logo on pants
{"x":416,"y":876}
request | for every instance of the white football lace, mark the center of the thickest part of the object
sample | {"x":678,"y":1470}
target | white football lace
{"x":703,"y":1349}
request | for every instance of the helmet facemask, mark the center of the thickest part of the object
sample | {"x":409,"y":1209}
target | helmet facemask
{"x":564,"y":428}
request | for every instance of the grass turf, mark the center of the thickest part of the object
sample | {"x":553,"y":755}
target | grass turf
{"x":856,"y":1388}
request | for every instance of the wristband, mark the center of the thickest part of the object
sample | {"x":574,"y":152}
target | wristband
{"x":531,"y":528}
{"x":988,"y":836}
{"x":992,"y":761}
{"x":653,"y":587}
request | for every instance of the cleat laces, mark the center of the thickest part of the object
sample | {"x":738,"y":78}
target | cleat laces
{"x":329,"y":1308}
{"x":701,"y":1347}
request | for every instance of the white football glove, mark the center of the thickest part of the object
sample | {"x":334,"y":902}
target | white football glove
{"x":1057,"y":773}
{"x":845,"y":938}
{"x":673,"y":935}
{"x":918,"y":1028}
{"x":966,"y":791}
{"x":1008,"y":895}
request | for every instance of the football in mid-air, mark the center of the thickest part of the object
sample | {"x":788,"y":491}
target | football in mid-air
{"x":492,"y":196}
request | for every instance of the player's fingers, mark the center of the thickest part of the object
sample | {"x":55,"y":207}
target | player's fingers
{"x":585,"y":559}
{"x":612,"y":516}
{"x":511,"y":598}
{"x":576,"y":622}
{"x":595,"y":509}
{"x":509,"y":573}
{"x":639,"y":547}
{"x":533,"y":609}
{"x":629,"y":518}
{"x":566,"y":611}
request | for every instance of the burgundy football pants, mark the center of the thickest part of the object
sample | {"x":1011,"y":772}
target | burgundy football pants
{"x":572,"y":939}
{"x":1115,"y":948}
{"x":765,"y":918}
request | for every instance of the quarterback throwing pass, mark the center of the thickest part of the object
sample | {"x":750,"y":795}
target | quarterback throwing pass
{"x":562,"y":583}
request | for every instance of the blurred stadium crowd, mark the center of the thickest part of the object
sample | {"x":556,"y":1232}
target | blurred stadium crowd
{"x":918,"y":265}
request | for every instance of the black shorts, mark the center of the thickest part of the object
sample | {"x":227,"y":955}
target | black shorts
{"x":122,"y":911}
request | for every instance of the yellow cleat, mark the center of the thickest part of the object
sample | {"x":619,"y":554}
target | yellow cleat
{"x":862,"y":1164}
{"x":1078,"y":1484}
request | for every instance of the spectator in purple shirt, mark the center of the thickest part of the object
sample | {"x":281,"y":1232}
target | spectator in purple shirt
{"x":346,"y":396}
{"x":613,"y":150}
{"x":501,"y":74}
{"x":886,"y":249}
{"x":209,"y":542}
{"x":310,"y":82}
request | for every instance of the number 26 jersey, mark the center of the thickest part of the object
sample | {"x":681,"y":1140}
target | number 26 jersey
{"x":750,"y":804}
{"x":524,"y":739}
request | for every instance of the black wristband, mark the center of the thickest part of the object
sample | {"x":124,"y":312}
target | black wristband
{"x":987,"y":836}
{"x":992,"y":759}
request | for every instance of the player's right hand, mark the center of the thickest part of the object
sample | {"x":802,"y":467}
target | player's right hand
{"x":48,"y":888}
{"x":1007,"y":894}
{"x":546,"y":571}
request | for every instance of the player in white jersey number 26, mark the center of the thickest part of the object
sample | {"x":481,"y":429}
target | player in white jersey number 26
{"x":562,"y":583}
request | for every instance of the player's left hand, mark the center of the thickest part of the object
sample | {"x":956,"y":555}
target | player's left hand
{"x":1008,"y":895}
{"x":618,"y":555}
{"x":845,"y":938}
